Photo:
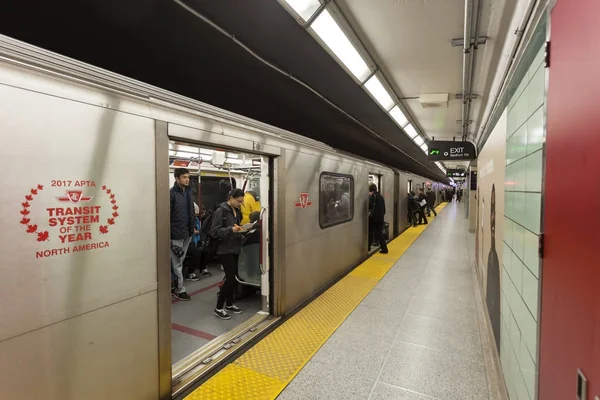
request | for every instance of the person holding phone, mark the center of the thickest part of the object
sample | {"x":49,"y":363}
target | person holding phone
{"x":226,"y":229}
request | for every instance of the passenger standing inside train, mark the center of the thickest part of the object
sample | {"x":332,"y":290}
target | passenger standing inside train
{"x":430,"y":202}
{"x":422,"y":206}
{"x":377,"y":213}
{"x":251,"y":204}
{"x":412,"y":217}
{"x":197,"y":262}
{"x":182,"y":227}
{"x":225,"y":228}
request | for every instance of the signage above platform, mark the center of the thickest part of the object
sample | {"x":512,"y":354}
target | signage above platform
{"x":451,"y":151}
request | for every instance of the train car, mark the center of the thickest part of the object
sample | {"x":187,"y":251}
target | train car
{"x":88,"y":157}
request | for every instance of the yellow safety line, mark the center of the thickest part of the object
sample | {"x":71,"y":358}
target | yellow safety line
{"x":268,"y":367}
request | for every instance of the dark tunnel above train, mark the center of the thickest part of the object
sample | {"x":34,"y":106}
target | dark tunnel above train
{"x":164,"y":44}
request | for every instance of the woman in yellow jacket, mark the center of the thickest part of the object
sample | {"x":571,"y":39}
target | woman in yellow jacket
{"x":251,"y":204}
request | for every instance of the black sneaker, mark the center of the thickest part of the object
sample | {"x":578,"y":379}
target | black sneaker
{"x":206,"y":273}
{"x":192,"y":277}
{"x":183,"y":296}
{"x":383,"y":251}
{"x":222,"y":314}
{"x":233,"y":309}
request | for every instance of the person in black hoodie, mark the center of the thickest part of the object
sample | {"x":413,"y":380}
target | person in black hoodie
{"x":226,"y":229}
{"x":376,"y":214}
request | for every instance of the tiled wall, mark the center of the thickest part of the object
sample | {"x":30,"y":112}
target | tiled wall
{"x":521,"y":268}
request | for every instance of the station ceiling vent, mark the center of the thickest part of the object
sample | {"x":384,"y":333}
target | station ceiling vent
{"x":434,"y":100}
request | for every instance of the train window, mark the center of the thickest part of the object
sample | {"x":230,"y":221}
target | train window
{"x":336,"y":199}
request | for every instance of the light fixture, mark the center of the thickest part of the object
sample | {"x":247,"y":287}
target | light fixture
{"x":411,"y":131}
{"x":424,"y":147}
{"x":332,"y":35}
{"x":304,"y":8}
{"x":418,"y":140}
{"x":233,"y":161}
{"x":398,"y":116}
{"x":380,"y":94}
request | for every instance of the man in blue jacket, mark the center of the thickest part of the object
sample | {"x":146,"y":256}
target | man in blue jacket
{"x":182,"y":227}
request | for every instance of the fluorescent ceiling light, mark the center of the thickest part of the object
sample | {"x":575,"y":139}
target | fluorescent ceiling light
{"x":304,"y":8}
{"x":410,"y":131}
{"x":424,"y":147}
{"x":337,"y":41}
{"x":418,"y":140}
{"x":377,"y":90}
{"x":398,"y":116}
{"x":233,"y":161}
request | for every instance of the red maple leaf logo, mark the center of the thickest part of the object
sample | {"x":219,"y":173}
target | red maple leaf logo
{"x":115,"y":207}
{"x":41,"y":187}
{"x":115,"y":214}
{"x":111,"y":221}
{"x":29,"y":197}
{"x":108,"y":191}
{"x":113,"y":201}
{"x":31,"y":228}
{"x":112,"y":196}
{"x":43,"y":236}
{"x":103,"y":187}
{"x":26,"y":204}
{"x":25,"y":221}
{"x":103,"y":229}
{"x":33,"y":191}
{"x":25,"y":212}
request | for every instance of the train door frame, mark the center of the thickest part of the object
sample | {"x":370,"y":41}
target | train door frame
{"x":178,"y":379}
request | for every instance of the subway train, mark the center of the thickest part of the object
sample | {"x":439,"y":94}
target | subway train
{"x":89,"y":157}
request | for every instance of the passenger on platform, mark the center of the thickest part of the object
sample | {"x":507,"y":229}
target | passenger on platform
{"x":376,"y":214}
{"x":430,"y":202}
{"x":182,"y":227}
{"x":422,"y":206}
{"x":251,"y":204}
{"x":412,"y":218}
{"x":196,"y":263}
{"x":226,"y":229}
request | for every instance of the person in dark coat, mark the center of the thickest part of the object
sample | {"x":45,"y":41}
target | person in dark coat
{"x":412,"y":209}
{"x":227,"y":230}
{"x":377,"y":213}
{"x":430,"y":202}
{"x":182,"y":227}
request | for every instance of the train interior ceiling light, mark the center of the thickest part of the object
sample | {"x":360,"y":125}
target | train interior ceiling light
{"x":324,"y":21}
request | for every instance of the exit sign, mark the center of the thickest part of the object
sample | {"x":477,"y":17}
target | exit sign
{"x":451,"y":151}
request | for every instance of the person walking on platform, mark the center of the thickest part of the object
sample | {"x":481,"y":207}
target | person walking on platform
{"x":225,"y":228}
{"x":430,"y":202}
{"x":376,"y":214}
{"x":422,"y":206}
{"x":182,"y":227}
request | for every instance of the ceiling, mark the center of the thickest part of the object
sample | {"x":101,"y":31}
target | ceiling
{"x":411,"y":41}
{"x":164,"y":44}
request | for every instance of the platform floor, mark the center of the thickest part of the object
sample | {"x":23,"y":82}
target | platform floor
{"x":407,"y":325}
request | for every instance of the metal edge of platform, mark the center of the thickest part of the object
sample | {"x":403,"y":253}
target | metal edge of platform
{"x":208,"y":359}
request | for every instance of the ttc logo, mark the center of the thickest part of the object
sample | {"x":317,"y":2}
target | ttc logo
{"x":304,"y":202}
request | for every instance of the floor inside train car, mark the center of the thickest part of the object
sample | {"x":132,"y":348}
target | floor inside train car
{"x":406,"y":325}
{"x":193,"y":323}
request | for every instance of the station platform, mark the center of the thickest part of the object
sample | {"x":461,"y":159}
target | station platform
{"x":405,"y":325}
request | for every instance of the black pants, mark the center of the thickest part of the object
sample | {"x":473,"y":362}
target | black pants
{"x":230,"y":265}
{"x":377,"y":232}
{"x":195,"y":262}
{"x":422,"y":218}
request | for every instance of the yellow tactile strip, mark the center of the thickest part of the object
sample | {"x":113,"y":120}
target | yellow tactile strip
{"x":265,"y":370}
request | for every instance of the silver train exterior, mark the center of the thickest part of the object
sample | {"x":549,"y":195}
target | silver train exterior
{"x":86,"y":298}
